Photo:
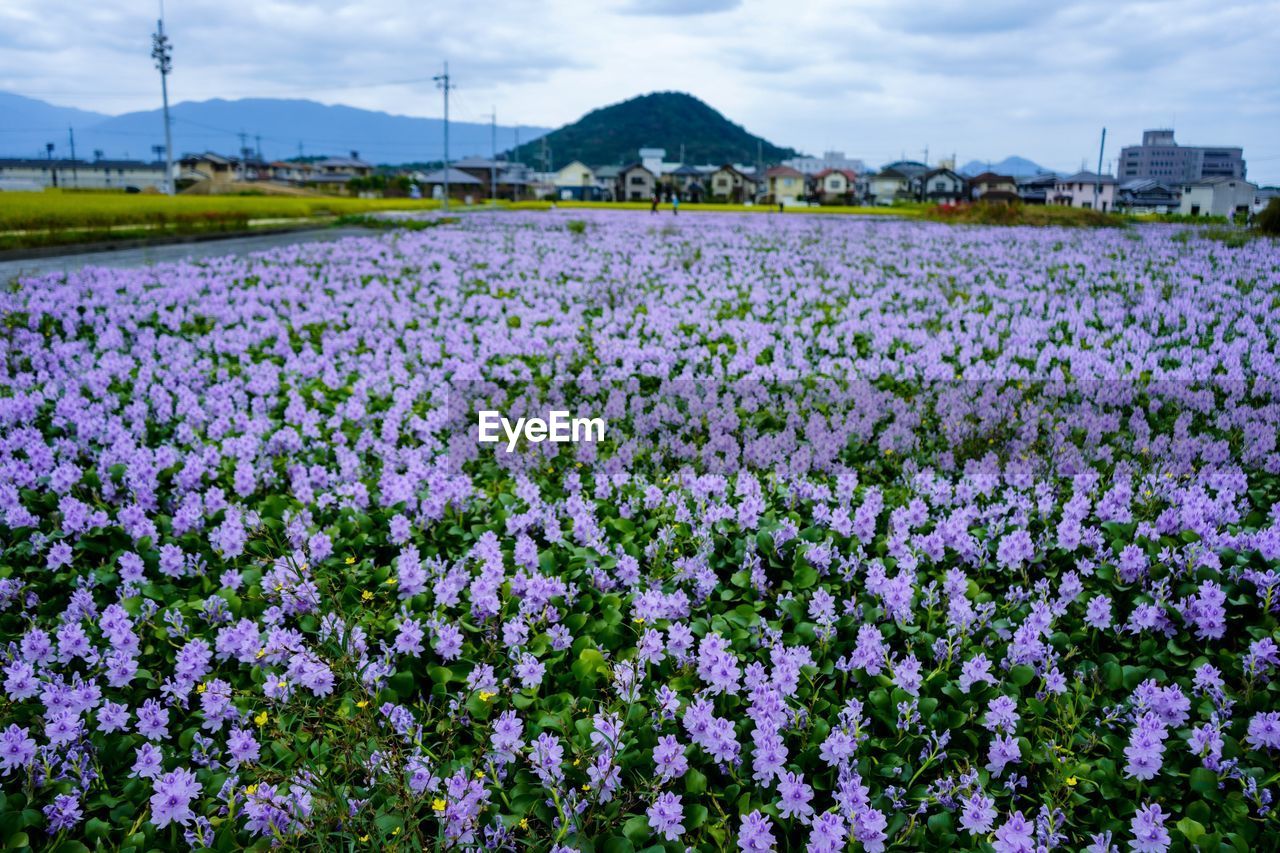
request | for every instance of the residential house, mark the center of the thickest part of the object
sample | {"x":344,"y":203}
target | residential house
{"x":889,"y":185}
{"x":1146,"y":195}
{"x":1218,"y":196}
{"x":990,"y":187}
{"x":686,"y":179}
{"x":607,"y":182}
{"x":1087,"y":190}
{"x":1265,"y":196}
{"x":289,"y":172}
{"x":784,"y":185}
{"x":940,"y":186}
{"x":462,"y":187}
{"x":219,"y":171}
{"x":576,"y":181}
{"x":340,"y":170}
{"x":35,"y":173}
{"x":835,"y":186}
{"x":731,"y":184}
{"x":1036,"y":189}
{"x":512,"y":179}
{"x":636,"y":183}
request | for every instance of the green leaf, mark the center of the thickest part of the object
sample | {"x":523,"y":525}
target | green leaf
{"x":636,"y":829}
{"x":1191,"y":829}
{"x":1021,"y":675}
{"x":1204,"y":780}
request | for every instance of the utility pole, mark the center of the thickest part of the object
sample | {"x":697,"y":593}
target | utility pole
{"x":48,"y":153}
{"x":162,"y":53}
{"x":681,"y":153}
{"x":515,"y":152}
{"x":443,"y":84}
{"x":258,"y":140}
{"x":1101,"y":147}
{"x":926,"y":155}
{"x":244,"y":152}
{"x":493,"y":161}
{"x":75,"y":175}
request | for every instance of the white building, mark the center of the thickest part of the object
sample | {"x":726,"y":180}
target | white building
{"x":82,"y":174}
{"x":1218,"y":196}
{"x":1087,"y":190}
{"x":828,"y":160}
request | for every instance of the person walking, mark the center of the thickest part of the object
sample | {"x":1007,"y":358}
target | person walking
{"x":656,"y":198}
{"x":675,"y":204}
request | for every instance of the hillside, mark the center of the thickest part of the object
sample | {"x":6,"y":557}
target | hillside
{"x":214,"y":125}
{"x":1015,"y":166}
{"x":613,"y":135}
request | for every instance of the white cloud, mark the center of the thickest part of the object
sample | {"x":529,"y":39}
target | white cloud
{"x":873,"y":78}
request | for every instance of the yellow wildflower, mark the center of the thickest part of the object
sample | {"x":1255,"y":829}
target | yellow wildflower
{"x":524,"y":823}
{"x":1071,"y":781}
{"x":261,"y":719}
{"x":364,"y":838}
{"x":262,"y":653}
{"x":200,"y":688}
{"x":438,"y":804}
{"x":391,"y":581}
{"x":485,"y":695}
{"x":479,"y":774}
{"x":363,"y":703}
{"x":366,"y":595}
{"x":251,"y":790}
{"x":351,"y":561}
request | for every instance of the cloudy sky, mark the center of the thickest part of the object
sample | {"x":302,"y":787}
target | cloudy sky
{"x":874,"y":78}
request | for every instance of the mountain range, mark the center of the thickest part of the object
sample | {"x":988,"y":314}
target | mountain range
{"x":675,"y":121}
{"x":1016,"y":167}
{"x":286,"y":127}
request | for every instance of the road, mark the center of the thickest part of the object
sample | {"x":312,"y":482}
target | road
{"x":10,"y":270}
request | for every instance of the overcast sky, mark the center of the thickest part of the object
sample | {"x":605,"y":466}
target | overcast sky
{"x":874,"y":78}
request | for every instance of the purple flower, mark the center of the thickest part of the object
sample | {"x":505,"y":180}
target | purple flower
{"x":148,"y":761}
{"x":63,"y":813}
{"x":1004,"y":751}
{"x":666,"y":816}
{"x":1015,"y":835}
{"x":794,"y":797}
{"x":669,"y":758}
{"x":171,"y":802}
{"x":17,"y":750}
{"x":243,"y":747}
{"x":979,"y":814}
{"x":1149,"y":834}
{"x":1264,"y":730}
{"x":1098,"y":613}
{"x":756,"y":833}
{"x":1145,"y":752}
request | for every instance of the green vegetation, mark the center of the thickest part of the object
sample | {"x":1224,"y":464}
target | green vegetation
{"x":614,"y":134}
{"x":1023,"y":214}
{"x":52,"y":218}
{"x":1269,"y":219}
{"x":363,"y":220}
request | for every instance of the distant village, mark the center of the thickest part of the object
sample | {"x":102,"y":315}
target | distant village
{"x":1157,"y":176}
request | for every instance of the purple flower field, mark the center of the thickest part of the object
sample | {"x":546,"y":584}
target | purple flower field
{"x":902,"y":536}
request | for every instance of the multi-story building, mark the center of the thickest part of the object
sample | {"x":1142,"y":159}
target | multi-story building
{"x":1162,"y":159}
{"x":98,"y":174}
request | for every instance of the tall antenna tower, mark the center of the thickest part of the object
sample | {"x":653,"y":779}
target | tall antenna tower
{"x":443,"y":84}
{"x":162,"y":53}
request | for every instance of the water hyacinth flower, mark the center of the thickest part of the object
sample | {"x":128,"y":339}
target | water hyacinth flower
{"x":666,"y":815}
{"x":835,"y":469}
